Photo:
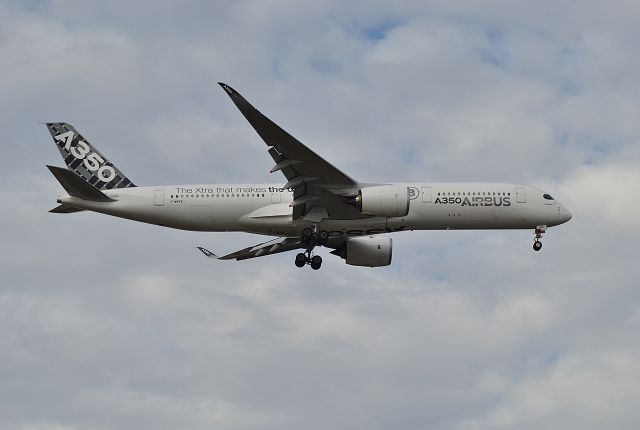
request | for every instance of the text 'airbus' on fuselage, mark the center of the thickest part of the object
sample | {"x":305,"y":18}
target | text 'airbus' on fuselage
{"x":317,"y":206}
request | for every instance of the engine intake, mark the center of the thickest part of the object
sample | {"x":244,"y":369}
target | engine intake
{"x":383,"y":200}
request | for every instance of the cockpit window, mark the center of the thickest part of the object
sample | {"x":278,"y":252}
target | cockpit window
{"x":547,"y":196}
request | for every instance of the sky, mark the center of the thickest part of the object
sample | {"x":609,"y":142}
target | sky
{"x":111,"y":324}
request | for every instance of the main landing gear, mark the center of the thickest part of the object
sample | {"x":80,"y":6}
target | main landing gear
{"x":540,"y":230}
{"x":311,"y":238}
{"x":303,"y":258}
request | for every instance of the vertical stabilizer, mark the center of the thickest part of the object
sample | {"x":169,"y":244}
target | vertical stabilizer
{"x":85,"y":160}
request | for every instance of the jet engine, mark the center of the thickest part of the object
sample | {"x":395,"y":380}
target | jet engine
{"x":383,"y":200}
{"x":368,"y":251}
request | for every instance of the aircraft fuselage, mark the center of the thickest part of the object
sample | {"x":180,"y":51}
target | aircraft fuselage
{"x":264,"y":209}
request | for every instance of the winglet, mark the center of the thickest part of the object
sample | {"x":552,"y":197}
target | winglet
{"x":208,"y":253}
{"x":245,"y":107}
{"x":227,"y":88}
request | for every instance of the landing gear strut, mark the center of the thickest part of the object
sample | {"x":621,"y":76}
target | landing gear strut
{"x":311,"y":238}
{"x":540,"y":230}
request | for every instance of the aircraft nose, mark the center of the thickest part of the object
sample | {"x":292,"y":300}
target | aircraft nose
{"x":565,"y":215}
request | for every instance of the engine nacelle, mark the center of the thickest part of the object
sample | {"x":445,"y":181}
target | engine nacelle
{"x":369,"y":251}
{"x":383,"y":200}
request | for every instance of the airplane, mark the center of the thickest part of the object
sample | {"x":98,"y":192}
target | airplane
{"x":318,"y":205}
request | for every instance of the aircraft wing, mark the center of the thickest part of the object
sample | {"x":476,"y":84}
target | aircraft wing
{"x":281,"y":244}
{"x":319,"y":187}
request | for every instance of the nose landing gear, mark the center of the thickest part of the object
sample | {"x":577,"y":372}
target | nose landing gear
{"x":540,"y":230}
{"x":312,"y":238}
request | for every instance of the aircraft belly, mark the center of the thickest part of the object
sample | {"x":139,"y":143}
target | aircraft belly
{"x":201,"y":216}
{"x":272,"y":225}
{"x":355,"y":227}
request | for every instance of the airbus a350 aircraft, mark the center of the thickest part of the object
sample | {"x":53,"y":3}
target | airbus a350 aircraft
{"x":317,"y":206}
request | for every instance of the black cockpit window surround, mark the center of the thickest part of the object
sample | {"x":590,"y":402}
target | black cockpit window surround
{"x":547,"y":197}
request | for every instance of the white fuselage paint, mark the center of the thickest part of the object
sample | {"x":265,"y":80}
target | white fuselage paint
{"x":433,"y":206}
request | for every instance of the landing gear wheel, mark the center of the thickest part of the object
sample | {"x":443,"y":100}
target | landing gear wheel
{"x":323,"y":236}
{"x":316,"y":262}
{"x":301,"y":260}
{"x":307,"y":234}
{"x":537,"y":245}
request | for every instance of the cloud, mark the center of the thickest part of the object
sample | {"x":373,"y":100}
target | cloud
{"x":615,"y":183}
{"x":598,"y":384}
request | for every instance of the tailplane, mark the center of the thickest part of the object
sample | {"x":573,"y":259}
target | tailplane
{"x":85,"y":160}
{"x":76,"y":187}
{"x":65,"y":209}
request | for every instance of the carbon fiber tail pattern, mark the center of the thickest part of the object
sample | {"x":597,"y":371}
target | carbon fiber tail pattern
{"x":85,"y":160}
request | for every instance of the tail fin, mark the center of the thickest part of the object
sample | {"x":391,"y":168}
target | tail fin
{"x":85,"y":160}
{"x":76,"y":187}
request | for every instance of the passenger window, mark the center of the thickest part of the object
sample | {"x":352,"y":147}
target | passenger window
{"x":547,"y":196}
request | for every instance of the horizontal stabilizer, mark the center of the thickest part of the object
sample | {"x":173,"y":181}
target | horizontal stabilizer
{"x":78,"y":187}
{"x":65,"y":209}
